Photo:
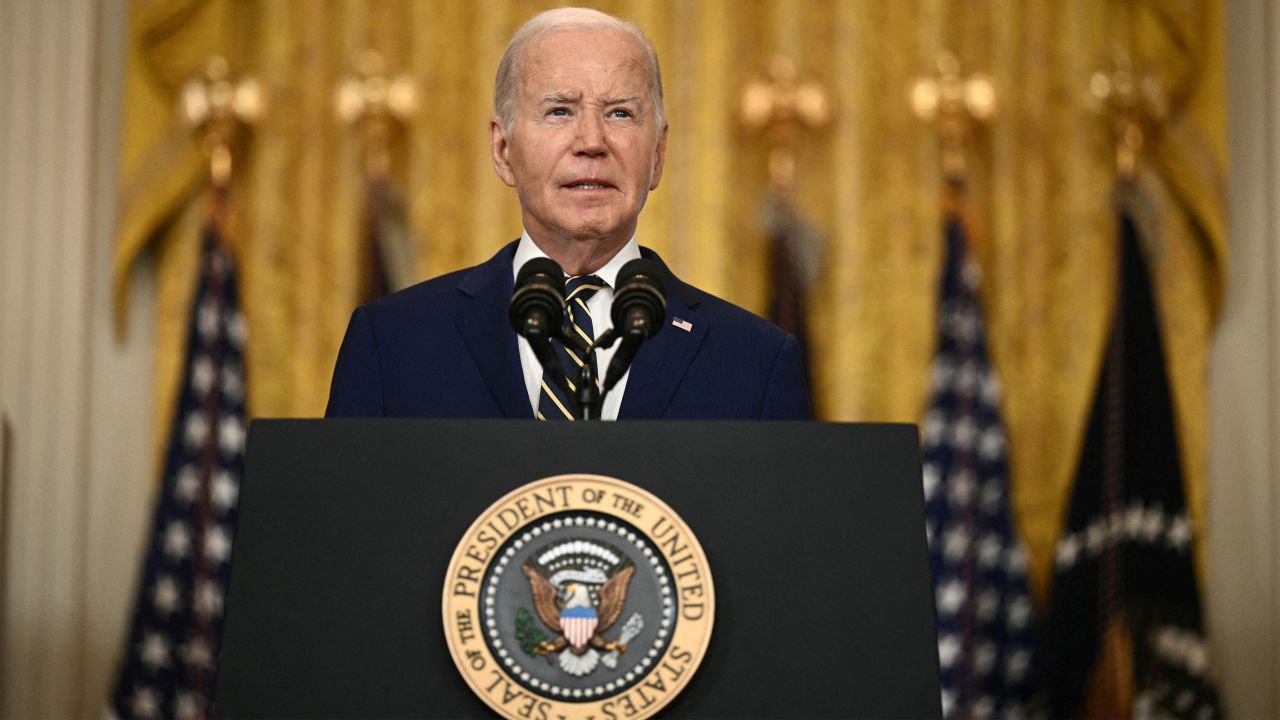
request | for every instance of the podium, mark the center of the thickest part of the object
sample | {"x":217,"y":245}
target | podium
{"x":813,"y":532}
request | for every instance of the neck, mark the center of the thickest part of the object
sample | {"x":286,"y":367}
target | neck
{"x":578,"y":256}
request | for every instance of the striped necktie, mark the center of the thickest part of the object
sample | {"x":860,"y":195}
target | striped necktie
{"x":552,"y":401}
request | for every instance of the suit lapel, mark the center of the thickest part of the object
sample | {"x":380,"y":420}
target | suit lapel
{"x":663,"y":359}
{"x":481,"y":316}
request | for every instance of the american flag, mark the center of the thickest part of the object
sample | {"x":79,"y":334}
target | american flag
{"x":169,"y":664}
{"x":795,"y":250}
{"x":387,"y":259}
{"x":1124,"y":636}
{"x":984,"y":611}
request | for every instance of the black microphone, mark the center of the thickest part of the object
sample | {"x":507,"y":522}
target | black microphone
{"x":639,"y":306}
{"x":537,"y":310}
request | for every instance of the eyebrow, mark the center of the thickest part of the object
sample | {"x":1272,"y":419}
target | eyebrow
{"x":558,"y":99}
{"x":565,"y":99}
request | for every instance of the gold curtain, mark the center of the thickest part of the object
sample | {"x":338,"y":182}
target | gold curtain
{"x":1042,"y":186}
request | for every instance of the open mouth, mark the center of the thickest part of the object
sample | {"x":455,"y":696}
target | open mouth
{"x":591,"y":184}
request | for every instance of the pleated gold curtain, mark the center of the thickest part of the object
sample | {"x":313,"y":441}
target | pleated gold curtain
{"x":1041,"y":189}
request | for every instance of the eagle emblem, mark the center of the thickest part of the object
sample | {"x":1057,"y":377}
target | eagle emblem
{"x":560,"y":603}
{"x":578,"y":607}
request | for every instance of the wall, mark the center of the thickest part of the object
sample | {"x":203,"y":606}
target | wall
{"x":76,"y":401}
{"x":1244,"y":487}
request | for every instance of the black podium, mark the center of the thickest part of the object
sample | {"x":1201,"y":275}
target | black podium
{"x":814,"y":534}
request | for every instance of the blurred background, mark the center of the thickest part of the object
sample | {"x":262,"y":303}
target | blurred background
{"x":821,"y":155}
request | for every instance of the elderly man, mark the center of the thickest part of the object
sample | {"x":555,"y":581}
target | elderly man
{"x":579,"y":132}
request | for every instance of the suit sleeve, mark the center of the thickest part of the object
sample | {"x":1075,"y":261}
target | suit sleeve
{"x":356,"y":390}
{"x":787,"y":394}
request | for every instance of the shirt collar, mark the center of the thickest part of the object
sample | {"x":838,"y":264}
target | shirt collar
{"x":528,"y":250}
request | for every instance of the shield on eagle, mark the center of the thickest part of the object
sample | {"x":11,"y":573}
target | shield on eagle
{"x":579,"y":624}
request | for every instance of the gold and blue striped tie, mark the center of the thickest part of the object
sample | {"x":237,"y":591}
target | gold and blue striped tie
{"x":553,"y":404}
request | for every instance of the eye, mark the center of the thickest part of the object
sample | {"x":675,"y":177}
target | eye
{"x":558,"y":112}
{"x":621,"y":113}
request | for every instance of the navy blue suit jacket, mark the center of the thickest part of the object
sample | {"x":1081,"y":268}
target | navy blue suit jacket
{"x":445,"y":348}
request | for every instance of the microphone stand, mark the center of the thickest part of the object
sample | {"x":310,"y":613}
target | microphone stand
{"x":589,"y":395}
{"x":590,"y":399}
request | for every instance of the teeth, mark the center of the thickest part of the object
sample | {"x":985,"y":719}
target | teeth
{"x":588,"y":186}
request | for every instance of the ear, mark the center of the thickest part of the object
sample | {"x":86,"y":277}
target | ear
{"x":500,"y":148}
{"x":659,"y":157}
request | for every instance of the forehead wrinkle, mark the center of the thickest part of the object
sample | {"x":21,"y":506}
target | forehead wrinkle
{"x":639,"y":64}
{"x":629,"y":64}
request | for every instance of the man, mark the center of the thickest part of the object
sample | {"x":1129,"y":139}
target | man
{"x":579,"y":132}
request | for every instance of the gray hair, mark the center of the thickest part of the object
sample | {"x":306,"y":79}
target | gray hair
{"x":567,"y":18}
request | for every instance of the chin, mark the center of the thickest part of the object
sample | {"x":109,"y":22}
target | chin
{"x":594,"y":230}
{"x":591,"y":234}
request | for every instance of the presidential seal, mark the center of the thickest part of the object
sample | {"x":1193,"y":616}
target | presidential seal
{"x":578,"y":596}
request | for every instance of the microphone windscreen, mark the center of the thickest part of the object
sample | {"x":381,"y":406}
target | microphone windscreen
{"x":640,"y":288}
{"x":644,"y":270}
{"x":537,"y":302}
{"x":541,"y":266}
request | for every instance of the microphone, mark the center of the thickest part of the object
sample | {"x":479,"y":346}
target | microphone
{"x":639,"y":306}
{"x":537,"y":310}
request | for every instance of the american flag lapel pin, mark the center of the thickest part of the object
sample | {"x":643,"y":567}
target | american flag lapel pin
{"x":684,"y":325}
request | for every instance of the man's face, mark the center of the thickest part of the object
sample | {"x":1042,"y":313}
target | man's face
{"x":584,"y":148}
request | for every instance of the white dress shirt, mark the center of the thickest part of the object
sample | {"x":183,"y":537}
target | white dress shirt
{"x":599,"y":305}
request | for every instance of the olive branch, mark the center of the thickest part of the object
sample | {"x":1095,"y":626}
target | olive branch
{"x":527,"y":632}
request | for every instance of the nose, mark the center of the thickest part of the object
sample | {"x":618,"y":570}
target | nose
{"x":590,"y":140}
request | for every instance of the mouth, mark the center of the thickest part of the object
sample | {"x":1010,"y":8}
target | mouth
{"x":587,"y":184}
